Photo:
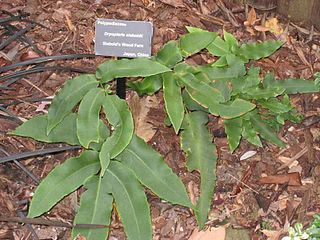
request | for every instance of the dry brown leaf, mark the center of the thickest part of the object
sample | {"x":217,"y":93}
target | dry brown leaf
{"x":272,"y":235}
{"x":293,"y":179}
{"x":250,"y":30}
{"x":191,"y":191}
{"x":30,"y":54}
{"x":140,"y":108}
{"x":260,"y":28}
{"x":70,"y":25}
{"x":209,"y":234}
{"x":302,"y":56}
{"x":174,"y":3}
{"x":88,"y":39}
{"x":274,"y":26}
{"x":252,"y":18}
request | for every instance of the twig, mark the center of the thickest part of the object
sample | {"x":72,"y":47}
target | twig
{"x":294,"y":158}
{"x":243,"y":183}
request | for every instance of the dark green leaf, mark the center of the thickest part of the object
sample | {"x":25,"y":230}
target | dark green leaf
{"x":104,"y":132}
{"x":264,"y":93}
{"x":63,"y":180}
{"x":95,"y":208}
{"x":192,"y":43}
{"x":131,"y":201}
{"x":264,"y":130}
{"x":259,"y":50}
{"x":221,"y":62}
{"x":249,"y":133}
{"x":36,"y":128}
{"x":137,"y":67}
{"x":151,"y":170}
{"x":200,"y":91}
{"x":233,"y":128}
{"x":169,"y":55}
{"x":219,"y":47}
{"x":276,"y":106}
{"x":231,"y":41}
{"x":88,"y":117}
{"x":148,"y":85}
{"x":120,"y":117}
{"x":191,"y":104}
{"x":196,"y":142}
{"x":68,"y":97}
{"x":293,"y":86}
{"x":232,"y":109}
{"x":173,"y":100}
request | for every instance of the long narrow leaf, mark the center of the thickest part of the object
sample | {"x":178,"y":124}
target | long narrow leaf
{"x":120,"y":117}
{"x":131,"y":201}
{"x":173,"y":100}
{"x":259,"y":50}
{"x":293,"y":86}
{"x":69,"y":96}
{"x":63,"y":180}
{"x":148,"y":85}
{"x":137,"y":67}
{"x":264,"y":130}
{"x":169,"y":55}
{"x":196,"y":142}
{"x":233,"y":128}
{"x":153,"y":172}
{"x":95,"y":208}
{"x":88,"y":117}
{"x":36,"y":128}
{"x":192,"y":43}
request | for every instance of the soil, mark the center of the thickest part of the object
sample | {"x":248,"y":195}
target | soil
{"x":242,"y":200}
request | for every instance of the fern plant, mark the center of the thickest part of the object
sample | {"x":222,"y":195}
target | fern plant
{"x":115,"y":163}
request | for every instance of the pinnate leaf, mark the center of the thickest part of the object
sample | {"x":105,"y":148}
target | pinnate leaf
{"x":63,"y":180}
{"x":36,"y":128}
{"x":231,"y":41}
{"x":218,"y":47}
{"x":173,"y":100}
{"x":68,"y":97}
{"x":264,"y":130}
{"x":194,"y":42}
{"x":196,"y":142}
{"x":148,"y":85}
{"x":191,"y":29}
{"x":200,"y":91}
{"x":233,"y":128}
{"x":259,"y":50}
{"x":95,"y":208}
{"x":232,"y":109}
{"x":104,"y":132}
{"x":119,"y":116}
{"x":131,"y":201}
{"x":249,"y":133}
{"x":88,"y":117}
{"x":137,"y":67}
{"x":293,"y":86}
{"x":169,"y":55}
{"x":151,"y":170}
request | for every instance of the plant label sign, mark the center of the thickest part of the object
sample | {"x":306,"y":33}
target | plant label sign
{"x":122,"y":38}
